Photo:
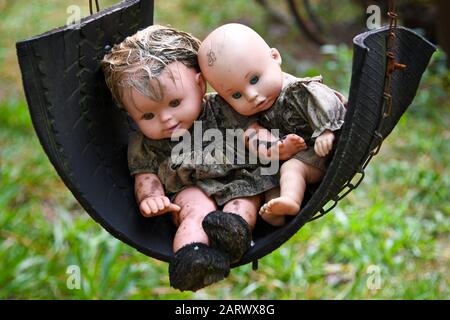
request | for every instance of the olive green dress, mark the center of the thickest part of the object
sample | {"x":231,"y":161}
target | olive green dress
{"x":307,"y":108}
{"x":208,"y":159}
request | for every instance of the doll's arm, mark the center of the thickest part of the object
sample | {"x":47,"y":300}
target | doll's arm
{"x":150,"y":195}
{"x":281,"y":149}
{"x":324,"y":143}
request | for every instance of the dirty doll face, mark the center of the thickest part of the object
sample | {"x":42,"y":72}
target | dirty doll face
{"x":181,"y":103}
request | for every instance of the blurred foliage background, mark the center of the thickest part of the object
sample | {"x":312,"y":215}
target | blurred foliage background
{"x":394,"y":228}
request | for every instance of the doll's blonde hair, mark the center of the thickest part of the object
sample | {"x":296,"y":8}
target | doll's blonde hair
{"x":139,"y":60}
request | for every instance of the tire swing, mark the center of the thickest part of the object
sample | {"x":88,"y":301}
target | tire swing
{"x":85,"y":135}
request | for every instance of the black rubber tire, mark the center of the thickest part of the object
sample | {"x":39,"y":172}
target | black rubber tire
{"x":85,"y":135}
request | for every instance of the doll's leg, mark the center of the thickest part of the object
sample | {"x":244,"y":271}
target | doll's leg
{"x":195,"y":205}
{"x":195,"y":264}
{"x":246,"y":207}
{"x":230,"y":230}
{"x":294,"y":175}
{"x":274,"y":220}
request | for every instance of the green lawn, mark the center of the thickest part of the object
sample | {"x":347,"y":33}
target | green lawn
{"x":389,"y":239}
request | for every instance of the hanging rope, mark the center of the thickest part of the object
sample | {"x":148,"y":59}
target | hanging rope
{"x":96,"y":6}
{"x":391,"y":66}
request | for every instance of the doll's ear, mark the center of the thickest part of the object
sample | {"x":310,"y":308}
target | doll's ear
{"x":201,"y":82}
{"x":275,"y":54}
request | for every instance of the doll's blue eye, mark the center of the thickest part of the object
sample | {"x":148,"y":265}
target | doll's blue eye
{"x":254,"y":80}
{"x":148,"y":116}
{"x":236,"y":95}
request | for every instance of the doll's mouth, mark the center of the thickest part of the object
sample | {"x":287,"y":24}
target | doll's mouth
{"x":262,"y":104}
{"x":173,"y":127}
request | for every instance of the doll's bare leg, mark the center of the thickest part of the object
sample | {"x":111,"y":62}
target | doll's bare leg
{"x":294,"y":177}
{"x":246,"y":207}
{"x":195,"y":205}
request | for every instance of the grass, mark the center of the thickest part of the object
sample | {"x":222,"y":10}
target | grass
{"x":391,"y":234}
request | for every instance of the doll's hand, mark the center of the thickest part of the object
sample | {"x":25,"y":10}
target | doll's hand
{"x":324,"y":143}
{"x":157,"y":205}
{"x":286,"y":147}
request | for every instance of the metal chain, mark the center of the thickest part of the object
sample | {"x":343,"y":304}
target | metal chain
{"x":385,"y":113}
{"x":96,"y":6}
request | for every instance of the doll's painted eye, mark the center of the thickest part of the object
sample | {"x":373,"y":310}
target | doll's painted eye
{"x":174,"y":103}
{"x":254,"y":80}
{"x":148,"y":116}
{"x":236,"y":95}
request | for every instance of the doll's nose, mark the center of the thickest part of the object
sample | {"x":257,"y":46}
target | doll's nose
{"x":165,"y":115}
{"x":251,"y":94}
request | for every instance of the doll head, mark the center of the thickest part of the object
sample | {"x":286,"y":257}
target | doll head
{"x":242,"y":68}
{"x":154,"y":76}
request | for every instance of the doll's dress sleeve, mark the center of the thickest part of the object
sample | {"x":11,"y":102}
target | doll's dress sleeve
{"x":142,"y":156}
{"x":154,"y":156}
{"x":310,"y":100}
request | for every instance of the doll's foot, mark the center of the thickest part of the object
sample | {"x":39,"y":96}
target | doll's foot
{"x":273,"y":220}
{"x":279,"y":207}
{"x":196,"y":266}
{"x":228,"y":232}
{"x":288,"y":146}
